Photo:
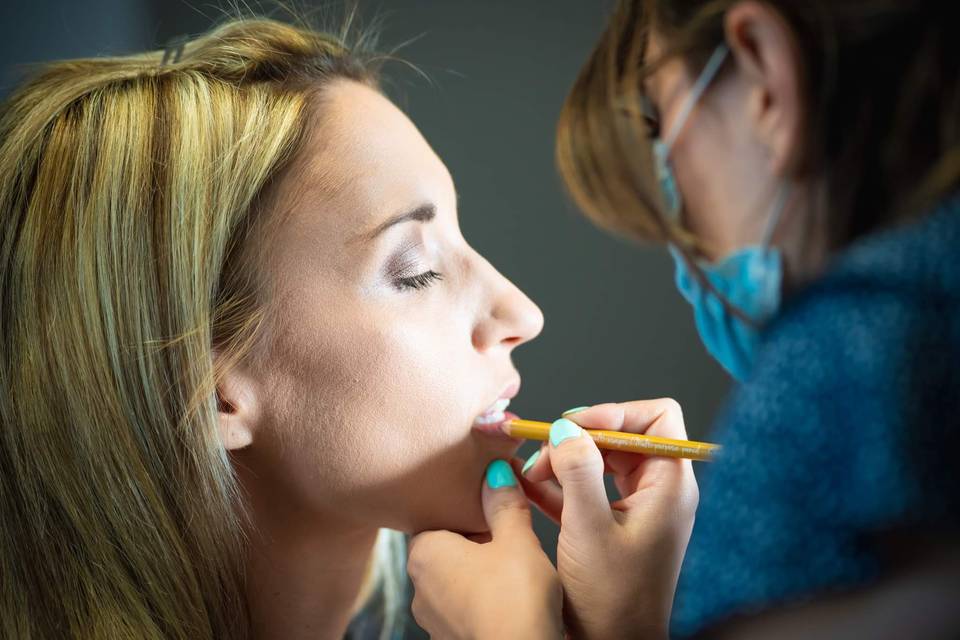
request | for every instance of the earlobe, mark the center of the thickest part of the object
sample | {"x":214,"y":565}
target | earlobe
{"x":766,"y":53}
{"x":236,"y":437}
{"x":237,"y":410}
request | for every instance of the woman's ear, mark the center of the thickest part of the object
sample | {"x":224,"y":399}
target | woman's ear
{"x":238,"y":409}
{"x":767,"y":55}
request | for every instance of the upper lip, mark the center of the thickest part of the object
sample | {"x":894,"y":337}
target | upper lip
{"x":510,"y":391}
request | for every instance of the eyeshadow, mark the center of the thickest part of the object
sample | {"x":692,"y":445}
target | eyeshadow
{"x":401,"y":263}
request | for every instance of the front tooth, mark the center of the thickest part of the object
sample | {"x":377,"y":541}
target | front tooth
{"x":490,"y":417}
{"x":501,"y":405}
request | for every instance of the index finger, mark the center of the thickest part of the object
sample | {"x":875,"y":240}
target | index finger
{"x":658,"y":417}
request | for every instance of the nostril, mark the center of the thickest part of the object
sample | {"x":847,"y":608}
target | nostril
{"x":485,"y":340}
{"x":512,"y":341}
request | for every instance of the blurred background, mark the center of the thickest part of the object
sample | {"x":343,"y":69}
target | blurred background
{"x":497,"y":73}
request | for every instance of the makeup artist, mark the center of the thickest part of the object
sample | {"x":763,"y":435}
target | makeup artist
{"x":801,"y":163}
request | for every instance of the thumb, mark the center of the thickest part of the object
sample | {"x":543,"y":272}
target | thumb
{"x":504,"y":505}
{"x":578,"y":466}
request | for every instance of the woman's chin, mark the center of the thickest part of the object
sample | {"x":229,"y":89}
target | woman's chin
{"x":447,"y":494}
{"x":491,"y":444}
{"x":459,"y":508}
{"x":467,"y":519}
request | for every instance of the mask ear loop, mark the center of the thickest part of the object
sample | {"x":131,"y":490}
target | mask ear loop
{"x":706,"y":76}
{"x":709,"y":71}
{"x":661,"y":150}
{"x":779,"y":205}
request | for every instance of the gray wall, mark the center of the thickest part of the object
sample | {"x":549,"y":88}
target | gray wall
{"x":615,"y":327}
{"x":51,"y":29}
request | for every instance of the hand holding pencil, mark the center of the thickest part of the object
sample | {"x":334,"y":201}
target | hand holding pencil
{"x":618,"y":563}
{"x":647,"y":529}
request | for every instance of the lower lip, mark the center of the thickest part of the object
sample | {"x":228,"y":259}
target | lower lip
{"x":493,"y":429}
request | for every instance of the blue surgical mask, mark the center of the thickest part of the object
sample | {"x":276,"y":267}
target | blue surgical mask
{"x":749,"y":279}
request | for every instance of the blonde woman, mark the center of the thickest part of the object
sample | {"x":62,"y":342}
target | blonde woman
{"x":240,"y":335}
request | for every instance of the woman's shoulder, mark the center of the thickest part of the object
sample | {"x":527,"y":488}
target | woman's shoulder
{"x":888,"y":309}
{"x":858,"y":379}
{"x":842,"y":431}
{"x":914,"y":259}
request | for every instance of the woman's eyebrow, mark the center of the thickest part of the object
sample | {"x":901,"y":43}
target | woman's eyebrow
{"x":423,"y":213}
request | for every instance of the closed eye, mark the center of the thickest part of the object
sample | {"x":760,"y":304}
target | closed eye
{"x":419,"y":281}
{"x":651,"y":116}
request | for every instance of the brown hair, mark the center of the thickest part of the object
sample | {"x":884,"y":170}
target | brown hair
{"x":130,"y":188}
{"x":881,"y":83}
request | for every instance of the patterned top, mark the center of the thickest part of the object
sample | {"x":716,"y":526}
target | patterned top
{"x":847,"y":428}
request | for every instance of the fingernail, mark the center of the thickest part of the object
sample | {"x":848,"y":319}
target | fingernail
{"x":499,"y":474}
{"x":563,"y":429}
{"x":532,"y":460}
{"x":570,"y":412}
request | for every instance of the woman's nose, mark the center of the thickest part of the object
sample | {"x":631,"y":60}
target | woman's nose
{"x":511,"y":318}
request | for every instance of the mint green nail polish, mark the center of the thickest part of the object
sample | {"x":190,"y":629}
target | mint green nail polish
{"x":570,"y":412}
{"x":499,"y":474}
{"x":532,"y":460}
{"x":563,"y":429}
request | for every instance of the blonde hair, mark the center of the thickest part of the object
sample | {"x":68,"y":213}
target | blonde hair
{"x":129,"y":192}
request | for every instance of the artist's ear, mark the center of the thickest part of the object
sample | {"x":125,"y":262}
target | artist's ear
{"x":767,"y":56}
{"x":238,"y":408}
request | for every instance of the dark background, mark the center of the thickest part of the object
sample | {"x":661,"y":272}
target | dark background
{"x":616,"y":329}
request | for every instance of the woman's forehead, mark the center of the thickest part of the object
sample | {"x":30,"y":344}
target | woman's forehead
{"x":365,"y":154}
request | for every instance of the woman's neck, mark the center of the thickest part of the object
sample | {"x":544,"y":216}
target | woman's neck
{"x":304,"y":581}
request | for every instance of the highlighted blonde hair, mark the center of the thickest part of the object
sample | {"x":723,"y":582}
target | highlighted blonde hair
{"x":129,"y":192}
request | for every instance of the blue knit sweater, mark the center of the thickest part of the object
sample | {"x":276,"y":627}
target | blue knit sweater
{"x":849,"y":426}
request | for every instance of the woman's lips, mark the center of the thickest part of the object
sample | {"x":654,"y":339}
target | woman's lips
{"x":494,"y":414}
{"x":512,"y":390}
{"x":490,"y":425}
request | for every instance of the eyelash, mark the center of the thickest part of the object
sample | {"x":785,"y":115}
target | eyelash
{"x":419,"y":281}
{"x":651,"y":117}
{"x":653,"y":127}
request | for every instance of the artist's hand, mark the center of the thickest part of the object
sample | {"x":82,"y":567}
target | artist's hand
{"x":619,"y":562}
{"x":501,"y":585}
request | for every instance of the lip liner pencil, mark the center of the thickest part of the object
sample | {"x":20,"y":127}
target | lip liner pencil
{"x":619,"y":440}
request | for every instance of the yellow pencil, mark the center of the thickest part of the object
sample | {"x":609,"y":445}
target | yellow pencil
{"x":620,"y":441}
